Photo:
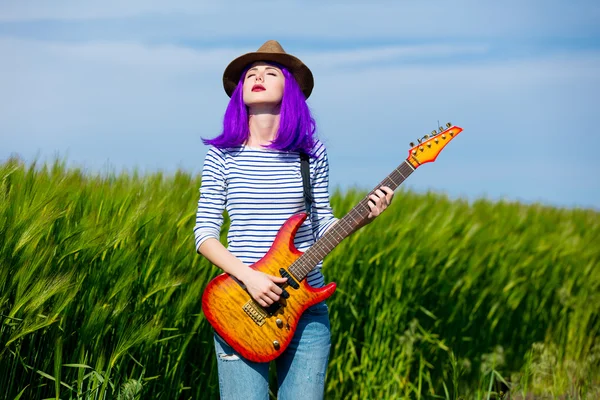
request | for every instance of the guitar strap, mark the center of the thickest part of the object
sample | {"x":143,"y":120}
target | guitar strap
{"x":305,"y":170}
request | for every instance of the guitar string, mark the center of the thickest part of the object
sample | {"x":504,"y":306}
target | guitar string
{"x":327,"y":244}
{"x":305,"y":263}
{"x":361,"y":208}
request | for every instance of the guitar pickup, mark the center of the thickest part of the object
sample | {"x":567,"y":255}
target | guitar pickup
{"x":291,"y":281}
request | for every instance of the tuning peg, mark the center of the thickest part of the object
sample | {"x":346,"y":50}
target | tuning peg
{"x":419,"y":140}
{"x":426,"y":137}
{"x":448,"y":124}
{"x":441,"y":129}
{"x":412,"y":144}
{"x":433,"y":132}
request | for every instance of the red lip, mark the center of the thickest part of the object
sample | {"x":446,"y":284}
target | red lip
{"x":258,"y":88}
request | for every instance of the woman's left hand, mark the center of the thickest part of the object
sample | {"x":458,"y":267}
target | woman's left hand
{"x":379,"y":201}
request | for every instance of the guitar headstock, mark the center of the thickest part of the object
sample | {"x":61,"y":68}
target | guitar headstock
{"x":431,"y":145}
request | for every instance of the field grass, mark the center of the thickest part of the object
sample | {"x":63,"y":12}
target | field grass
{"x":100,"y":292}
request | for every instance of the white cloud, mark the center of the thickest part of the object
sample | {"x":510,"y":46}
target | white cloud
{"x":75,"y":9}
{"x":362,"y":55}
{"x":341,"y":20}
{"x":148,"y":106}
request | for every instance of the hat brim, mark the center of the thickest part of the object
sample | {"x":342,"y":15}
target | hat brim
{"x":234,"y":70}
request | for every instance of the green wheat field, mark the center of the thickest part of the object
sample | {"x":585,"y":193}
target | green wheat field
{"x":100,"y":290}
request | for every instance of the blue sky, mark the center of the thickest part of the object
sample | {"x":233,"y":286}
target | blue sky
{"x":118,"y":85}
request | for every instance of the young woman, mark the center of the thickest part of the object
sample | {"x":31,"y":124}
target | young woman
{"x":252,"y":170}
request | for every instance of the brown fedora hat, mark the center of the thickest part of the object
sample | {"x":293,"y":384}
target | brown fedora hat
{"x":271,"y":50}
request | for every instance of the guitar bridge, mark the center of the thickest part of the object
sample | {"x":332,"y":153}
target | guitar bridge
{"x":258,"y":315}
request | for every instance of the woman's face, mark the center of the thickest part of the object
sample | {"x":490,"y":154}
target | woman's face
{"x":263,"y":85}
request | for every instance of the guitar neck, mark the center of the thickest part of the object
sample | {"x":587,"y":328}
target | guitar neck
{"x":345,"y":226}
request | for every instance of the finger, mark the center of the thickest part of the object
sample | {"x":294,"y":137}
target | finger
{"x":374,"y":210}
{"x":379,"y":202}
{"x":261,"y":302}
{"x":371,"y":203}
{"x":376,"y":200}
{"x":389,"y":197}
{"x":277,"y":279}
{"x":382,"y":198}
{"x":389,"y":193}
{"x":385,"y":200}
{"x":371,"y":212}
{"x":272,"y":297}
{"x":387,"y":189}
{"x":380,"y":193}
{"x":276,"y":289}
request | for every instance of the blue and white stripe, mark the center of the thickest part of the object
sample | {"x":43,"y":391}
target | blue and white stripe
{"x":260,"y":189}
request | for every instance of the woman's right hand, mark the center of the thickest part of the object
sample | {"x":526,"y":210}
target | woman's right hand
{"x":262,"y":287}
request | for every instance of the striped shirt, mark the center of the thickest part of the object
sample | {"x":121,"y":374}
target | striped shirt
{"x":260,"y":189}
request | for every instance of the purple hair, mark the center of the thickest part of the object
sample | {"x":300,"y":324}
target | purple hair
{"x":297,"y":127}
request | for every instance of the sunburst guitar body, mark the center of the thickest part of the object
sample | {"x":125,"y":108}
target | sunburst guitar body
{"x":260,"y":334}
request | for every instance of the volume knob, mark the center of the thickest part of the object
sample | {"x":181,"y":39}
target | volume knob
{"x":279,"y":323}
{"x":276,"y":344}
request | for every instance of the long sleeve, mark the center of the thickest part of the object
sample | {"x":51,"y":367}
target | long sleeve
{"x":322,"y":215}
{"x":209,"y":215}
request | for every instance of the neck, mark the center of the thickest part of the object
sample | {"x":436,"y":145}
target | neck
{"x":263,"y":125}
{"x":352,"y":221}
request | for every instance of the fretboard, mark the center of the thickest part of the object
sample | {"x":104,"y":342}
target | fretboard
{"x":345,"y":226}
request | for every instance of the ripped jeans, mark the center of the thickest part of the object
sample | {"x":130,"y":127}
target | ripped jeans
{"x":300,"y":368}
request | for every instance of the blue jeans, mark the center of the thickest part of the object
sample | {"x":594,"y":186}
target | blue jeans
{"x":300,"y":368}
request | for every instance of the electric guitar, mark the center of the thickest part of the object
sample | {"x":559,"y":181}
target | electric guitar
{"x":261,"y":334}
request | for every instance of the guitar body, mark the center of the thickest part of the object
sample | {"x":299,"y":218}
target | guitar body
{"x":246,"y":326}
